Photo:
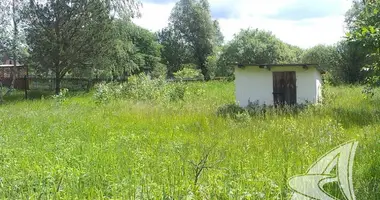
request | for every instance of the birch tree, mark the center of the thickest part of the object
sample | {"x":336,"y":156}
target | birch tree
{"x":11,"y":35}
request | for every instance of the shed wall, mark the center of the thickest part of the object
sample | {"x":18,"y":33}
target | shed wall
{"x":319,"y":82}
{"x":256,"y":84}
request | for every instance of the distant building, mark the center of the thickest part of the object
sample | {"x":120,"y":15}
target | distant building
{"x":6,"y":66}
{"x":6,"y":60}
{"x":274,"y":84}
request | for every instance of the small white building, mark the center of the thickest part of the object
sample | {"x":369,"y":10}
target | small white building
{"x":274,"y":84}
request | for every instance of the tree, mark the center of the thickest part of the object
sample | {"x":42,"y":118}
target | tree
{"x":325,"y":56}
{"x":147,"y":49}
{"x":67,"y":35}
{"x":219,"y":38}
{"x":319,"y":54}
{"x":174,"y":50}
{"x":353,"y":53}
{"x":254,"y":46}
{"x":364,"y":30}
{"x":352,"y":58}
{"x":12,"y":33}
{"x":192,"y":19}
{"x":258,"y":46}
{"x":133,"y":49}
{"x":294,"y":53}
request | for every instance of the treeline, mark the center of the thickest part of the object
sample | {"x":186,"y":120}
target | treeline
{"x":97,"y":39}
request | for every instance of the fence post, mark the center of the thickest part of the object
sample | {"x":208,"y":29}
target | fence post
{"x":89,"y":84}
{"x":26,"y":87}
{"x":1,"y":92}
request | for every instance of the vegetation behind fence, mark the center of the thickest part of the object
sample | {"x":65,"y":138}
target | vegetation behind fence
{"x":78,"y":84}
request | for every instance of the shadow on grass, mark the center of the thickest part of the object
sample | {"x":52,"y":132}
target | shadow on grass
{"x":19,"y":95}
{"x":347,"y":116}
{"x":355,"y":116}
{"x":254,"y":109}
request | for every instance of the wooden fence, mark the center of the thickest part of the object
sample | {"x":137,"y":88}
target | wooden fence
{"x":73,"y":84}
{"x":20,"y":83}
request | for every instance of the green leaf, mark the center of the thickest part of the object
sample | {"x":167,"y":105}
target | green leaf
{"x":364,"y":30}
{"x":375,"y":11}
{"x":372,"y":29}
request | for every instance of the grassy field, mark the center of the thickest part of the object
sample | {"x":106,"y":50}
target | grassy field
{"x":154,"y":150}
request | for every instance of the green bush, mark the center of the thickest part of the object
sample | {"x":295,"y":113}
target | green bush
{"x":103,"y":93}
{"x":159,"y":71}
{"x":177,"y":92}
{"x":188,"y":73}
{"x":61,"y":97}
{"x":140,"y":87}
{"x":230,"y":110}
{"x":143,"y":87}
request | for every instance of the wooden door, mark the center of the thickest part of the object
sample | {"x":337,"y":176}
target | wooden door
{"x":284,"y":88}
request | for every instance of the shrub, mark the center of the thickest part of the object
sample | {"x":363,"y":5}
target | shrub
{"x":230,"y":110}
{"x":188,"y":73}
{"x":102,"y":93}
{"x":140,"y":87}
{"x":177,"y":92}
{"x":211,"y":65}
{"x":143,"y":87}
{"x":159,"y":71}
{"x":61,"y":97}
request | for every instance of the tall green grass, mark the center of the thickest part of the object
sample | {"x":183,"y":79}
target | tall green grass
{"x":128,"y":149}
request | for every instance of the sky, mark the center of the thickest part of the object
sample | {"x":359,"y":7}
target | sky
{"x":304,"y":23}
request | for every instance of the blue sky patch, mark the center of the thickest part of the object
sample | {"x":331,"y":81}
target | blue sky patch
{"x":308,"y":9}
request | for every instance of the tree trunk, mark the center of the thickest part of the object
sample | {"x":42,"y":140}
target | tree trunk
{"x":57,"y":83}
{"x":205,"y":72}
{"x":1,"y":92}
{"x":14,"y":46}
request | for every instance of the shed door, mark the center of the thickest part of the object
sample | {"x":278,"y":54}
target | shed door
{"x":284,"y":88}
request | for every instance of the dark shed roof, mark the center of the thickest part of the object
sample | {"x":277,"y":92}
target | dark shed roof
{"x":303,"y":65}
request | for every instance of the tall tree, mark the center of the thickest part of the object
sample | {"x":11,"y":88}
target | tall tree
{"x":192,"y":18}
{"x":64,"y":35}
{"x":352,"y":58}
{"x":319,"y":54}
{"x":174,"y":50}
{"x":12,"y":40}
{"x":147,"y":49}
{"x":133,"y":49}
{"x":365,"y":30}
{"x":219,"y":38}
{"x":254,"y":46}
{"x":353,"y":53}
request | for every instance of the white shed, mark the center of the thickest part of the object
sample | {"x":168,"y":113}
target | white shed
{"x":274,"y":84}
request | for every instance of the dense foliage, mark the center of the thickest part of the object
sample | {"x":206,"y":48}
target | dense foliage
{"x":365,"y":30}
{"x":98,"y":40}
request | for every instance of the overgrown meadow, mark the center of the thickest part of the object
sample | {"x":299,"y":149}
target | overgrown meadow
{"x":158,"y":140}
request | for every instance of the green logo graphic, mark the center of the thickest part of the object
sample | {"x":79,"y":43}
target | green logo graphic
{"x":310,"y":185}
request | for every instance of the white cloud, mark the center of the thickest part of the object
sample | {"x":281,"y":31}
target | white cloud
{"x":154,"y":16}
{"x":306,"y":34}
{"x":255,"y":14}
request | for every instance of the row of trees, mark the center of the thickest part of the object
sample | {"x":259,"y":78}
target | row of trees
{"x":192,"y":37}
{"x":67,"y":37}
{"x":97,"y":39}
